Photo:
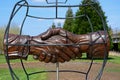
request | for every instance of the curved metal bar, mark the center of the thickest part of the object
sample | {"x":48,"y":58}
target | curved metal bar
{"x":89,"y":69}
{"x":91,"y":26}
{"x":103,"y":66}
{"x":77,"y":44}
{"x":27,"y":10}
{"x":11,"y":17}
{"x":13,"y":75}
{"x":59,"y":6}
{"x":24,"y":17}
{"x":75,"y":71}
{"x":55,"y":18}
{"x":105,"y":54}
{"x":25,"y":4}
{"x":56,"y":1}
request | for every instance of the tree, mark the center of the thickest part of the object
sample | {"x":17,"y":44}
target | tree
{"x":69,"y":21}
{"x":119,"y":46}
{"x":53,"y":25}
{"x":110,"y":31}
{"x":13,"y":29}
{"x":82,"y":24}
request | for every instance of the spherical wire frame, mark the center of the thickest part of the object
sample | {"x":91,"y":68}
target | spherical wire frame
{"x":24,"y":3}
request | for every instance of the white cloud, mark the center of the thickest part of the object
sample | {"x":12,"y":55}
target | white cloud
{"x":59,"y":21}
{"x":39,"y":0}
{"x":41,"y":19}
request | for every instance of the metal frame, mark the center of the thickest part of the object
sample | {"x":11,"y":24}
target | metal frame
{"x":24,"y":3}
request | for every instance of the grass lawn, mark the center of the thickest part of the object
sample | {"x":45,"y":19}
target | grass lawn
{"x":5,"y":75}
{"x":111,"y":59}
{"x":3,"y":60}
{"x":114,"y":59}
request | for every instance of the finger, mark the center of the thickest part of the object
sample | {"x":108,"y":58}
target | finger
{"x":66,"y":50}
{"x":69,"y":52}
{"x":48,"y":58}
{"x":76,"y":51}
{"x":50,"y":51}
{"x":62,"y":53}
{"x":38,"y":51}
{"x":57,"y":59}
{"x":55,"y":50}
{"x":42,"y":56}
{"x":49,"y":33}
{"x":60,"y":59}
{"x":54,"y":59}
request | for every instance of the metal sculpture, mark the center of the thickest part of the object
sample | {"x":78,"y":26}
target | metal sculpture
{"x":66,"y":45}
{"x":78,"y":44}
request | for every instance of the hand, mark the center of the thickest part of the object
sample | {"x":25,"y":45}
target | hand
{"x":55,"y":51}
{"x":13,"y":50}
{"x":54,"y":45}
{"x":61,"y":32}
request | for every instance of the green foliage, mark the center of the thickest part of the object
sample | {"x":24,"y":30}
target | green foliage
{"x":82,"y":24}
{"x":69,"y":21}
{"x":53,"y":25}
{"x":111,"y":45}
{"x":119,"y":46}
{"x":110,"y":32}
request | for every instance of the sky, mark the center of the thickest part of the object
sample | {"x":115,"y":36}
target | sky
{"x":36,"y":26}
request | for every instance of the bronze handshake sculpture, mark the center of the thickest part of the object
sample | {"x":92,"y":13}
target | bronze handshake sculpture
{"x":57,"y":45}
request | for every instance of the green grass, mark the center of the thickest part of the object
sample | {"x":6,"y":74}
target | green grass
{"x":111,"y":59}
{"x":5,"y":75}
{"x":114,"y":59}
{"x":3,"y":60}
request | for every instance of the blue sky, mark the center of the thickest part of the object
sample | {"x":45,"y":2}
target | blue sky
{"x":36,"y":26}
